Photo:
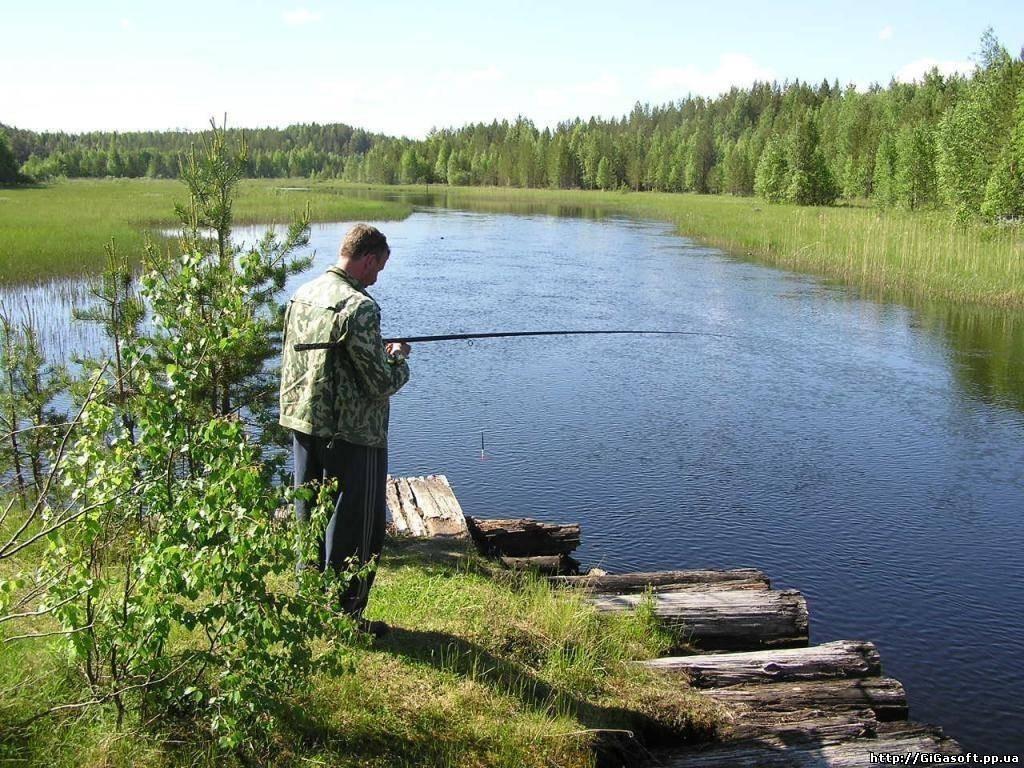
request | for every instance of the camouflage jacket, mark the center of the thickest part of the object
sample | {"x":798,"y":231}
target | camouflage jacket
{"x":341,"y":392}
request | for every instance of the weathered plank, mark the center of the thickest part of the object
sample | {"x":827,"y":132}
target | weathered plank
{"x":443,"y":515}
{"x":800,"y":724}
{"x":425,"y":507}
{"x":406,"y":511}
{"x":523,"y":537}
{"x":726,"y":619}
{"x":664,"y":581}
{"x":831,"y":743}
{"x":882,"y":695}
{"x":839,"y":659}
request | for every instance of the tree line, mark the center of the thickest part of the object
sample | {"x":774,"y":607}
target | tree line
{"x":945,"y":141}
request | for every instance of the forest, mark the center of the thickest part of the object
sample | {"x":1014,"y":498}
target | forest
{"x":953,"y":142}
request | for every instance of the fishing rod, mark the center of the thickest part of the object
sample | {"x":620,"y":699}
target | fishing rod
{"x":506,"y":335}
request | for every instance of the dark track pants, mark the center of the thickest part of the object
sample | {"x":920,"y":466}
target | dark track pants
{"x":355,"y":531}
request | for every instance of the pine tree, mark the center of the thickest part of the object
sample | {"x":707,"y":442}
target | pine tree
{"x":559,"y":164}
{"x":605,"y":180}
{"x":701,"y":157}
{"x":8,"y":164}
{"x":635,"y":159}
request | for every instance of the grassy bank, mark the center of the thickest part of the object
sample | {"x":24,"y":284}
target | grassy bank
{"x":483,"y":668}
{"x":890,"y":253}
{"x":61,"y":228}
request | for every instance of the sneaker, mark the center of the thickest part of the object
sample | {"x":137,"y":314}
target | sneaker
{"x":371,"y":627}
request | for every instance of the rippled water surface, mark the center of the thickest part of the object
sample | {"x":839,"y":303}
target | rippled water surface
{"x":868,"y":454}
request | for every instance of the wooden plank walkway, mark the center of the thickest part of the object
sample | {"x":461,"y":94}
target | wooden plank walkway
{"x":789,"y":705}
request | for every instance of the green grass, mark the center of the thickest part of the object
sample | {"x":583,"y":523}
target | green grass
{"x":892,"y":254}
{"x":483,"y":668}
{"x":61,"y":228}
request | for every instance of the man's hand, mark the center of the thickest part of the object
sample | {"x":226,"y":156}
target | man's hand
{"x":398,"y":348}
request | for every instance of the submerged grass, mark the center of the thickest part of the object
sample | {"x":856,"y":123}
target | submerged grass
{"x":483,"y":667}
{"x":60,"y":229}
{"x":895,"y":253}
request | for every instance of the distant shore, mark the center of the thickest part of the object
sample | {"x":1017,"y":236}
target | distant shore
{"x":61,"y":228}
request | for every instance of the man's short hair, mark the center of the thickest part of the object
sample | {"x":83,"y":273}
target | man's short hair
{"x":364,"y":240}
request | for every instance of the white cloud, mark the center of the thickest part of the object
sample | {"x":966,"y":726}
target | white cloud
{"x":125,"y":24}
{"x":300,"y":16}
{"x":885,"y":33}
{"x":916,"y":70}
{"x":734,"y":69}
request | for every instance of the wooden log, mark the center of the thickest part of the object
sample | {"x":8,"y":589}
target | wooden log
{"x":663,"y":581}
{"x":882,"y":695}
{"x":546,"y":564}
{"x":523,"y":537}
{"x":801,"y":724}
{"x":441,"y":511}
{"x":395,"y":506}
{"x":839,"y":659}
{"x":405,"y":510}
{"x":818,"y":746}
{"x":726,"y":619}
{"x":425,"y":507}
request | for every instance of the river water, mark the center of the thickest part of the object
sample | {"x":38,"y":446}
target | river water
{"x":870,"y":454}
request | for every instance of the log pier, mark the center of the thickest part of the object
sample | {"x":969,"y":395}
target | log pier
{"x":789,"y":704}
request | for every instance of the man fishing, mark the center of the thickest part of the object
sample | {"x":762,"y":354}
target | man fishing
{"x":335,"y":399}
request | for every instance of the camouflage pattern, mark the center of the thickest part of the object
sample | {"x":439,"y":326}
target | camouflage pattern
{"x":341,"y":392}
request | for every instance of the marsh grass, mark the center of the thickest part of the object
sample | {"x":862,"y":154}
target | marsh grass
{"x":483,"y":667}
{"x":60,"y":229}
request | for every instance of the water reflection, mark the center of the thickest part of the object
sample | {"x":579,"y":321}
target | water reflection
{"x":987,"y":349}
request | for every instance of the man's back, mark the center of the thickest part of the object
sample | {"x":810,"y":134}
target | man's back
{"x":342,"y":391}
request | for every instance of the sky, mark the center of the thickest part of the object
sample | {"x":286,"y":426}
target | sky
{"x":405,"y":68}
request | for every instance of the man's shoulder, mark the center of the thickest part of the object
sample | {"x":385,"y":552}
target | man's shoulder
{"x":331,"y":292}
